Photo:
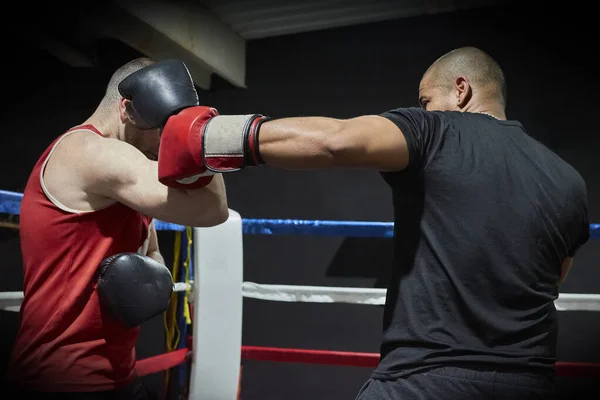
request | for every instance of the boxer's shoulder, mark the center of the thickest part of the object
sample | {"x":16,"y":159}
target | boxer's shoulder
{"x":73,"y":146}
{"x":67,"y":168}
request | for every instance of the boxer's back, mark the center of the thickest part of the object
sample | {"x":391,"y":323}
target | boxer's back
{"x":482,"y":228}
{"x":65,"y":342}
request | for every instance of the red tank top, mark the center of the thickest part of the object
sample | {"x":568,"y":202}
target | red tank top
{"x":65,"y":342}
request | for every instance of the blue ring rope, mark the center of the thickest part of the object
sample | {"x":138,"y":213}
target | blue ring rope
{"x":10,"y":203}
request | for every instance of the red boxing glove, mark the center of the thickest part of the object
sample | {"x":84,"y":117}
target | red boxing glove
{"x":180,"y":162}
{"x":198,"y":142}
{"x":230,"y":142}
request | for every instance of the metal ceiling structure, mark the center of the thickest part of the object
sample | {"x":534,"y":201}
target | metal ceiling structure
{"x":210,"y":35}
{"x":266,"y":18}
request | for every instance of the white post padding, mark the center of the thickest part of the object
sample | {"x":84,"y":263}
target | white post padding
{"x":218,"y":301}
{"x":11,"y":301}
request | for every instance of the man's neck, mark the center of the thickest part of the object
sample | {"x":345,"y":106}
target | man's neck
{"x":104,"y":124}
{"x":493,"y":109}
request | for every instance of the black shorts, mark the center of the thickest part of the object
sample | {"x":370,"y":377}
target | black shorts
{"x":134,"y":391}
{"x":451,"y":383}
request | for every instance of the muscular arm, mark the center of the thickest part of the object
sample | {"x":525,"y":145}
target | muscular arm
{"x":564,"y":271}
{"x":580,"y":227}
{"x":117,"y":170}
{"x":319,"y":142}
{"x":153,"y":250}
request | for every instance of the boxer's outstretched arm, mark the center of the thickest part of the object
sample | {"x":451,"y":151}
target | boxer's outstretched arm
{"x":320,"y":142}
{"x":119,"y":171}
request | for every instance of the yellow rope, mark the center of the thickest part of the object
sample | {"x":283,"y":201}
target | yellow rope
{"x":172,"y":333}
{"x":171,"y":326}
{"x":186,"y":265}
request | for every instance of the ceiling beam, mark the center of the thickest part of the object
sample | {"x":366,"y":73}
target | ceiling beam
{"x":64,"y":52}
{"x":161,"y":30}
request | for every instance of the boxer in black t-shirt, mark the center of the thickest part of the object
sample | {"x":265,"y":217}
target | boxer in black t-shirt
{"x":487,"y":222}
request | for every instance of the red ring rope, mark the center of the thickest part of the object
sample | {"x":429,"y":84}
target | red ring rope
{"x":327,"y":357}
{"x":169,"y":360}
{"x":570,"y":369}
{"x":161,"y":362}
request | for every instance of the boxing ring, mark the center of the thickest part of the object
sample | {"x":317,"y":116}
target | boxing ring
{"x":216,"y":349}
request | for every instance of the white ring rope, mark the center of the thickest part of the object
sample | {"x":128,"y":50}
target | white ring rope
{"x":182,"y":286}
{"x":11,"y":301}
{"x":324,"y":294}
{"x":314,"y":294}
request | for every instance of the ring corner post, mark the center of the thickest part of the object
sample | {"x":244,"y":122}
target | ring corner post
{"x":217,"y":323}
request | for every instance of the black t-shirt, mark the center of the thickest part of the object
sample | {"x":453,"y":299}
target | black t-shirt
{"x":484,"y":217}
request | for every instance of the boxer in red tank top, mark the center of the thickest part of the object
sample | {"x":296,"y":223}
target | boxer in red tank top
{"x":93,"y":194}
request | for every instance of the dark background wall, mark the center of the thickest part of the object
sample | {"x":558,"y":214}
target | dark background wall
{"x":552,"y":90}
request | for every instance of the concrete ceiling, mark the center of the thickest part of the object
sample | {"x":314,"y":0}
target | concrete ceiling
{"x":265,"y":18}
{"x":210,"y":35}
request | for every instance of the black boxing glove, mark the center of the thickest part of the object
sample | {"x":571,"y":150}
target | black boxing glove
{"x":158,"y":91}
{"x":134,"y":288}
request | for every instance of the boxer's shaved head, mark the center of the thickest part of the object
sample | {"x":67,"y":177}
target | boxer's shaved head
{"x":112,"y":115}
{"x":480,"y":69}
{"x":112,"y":89}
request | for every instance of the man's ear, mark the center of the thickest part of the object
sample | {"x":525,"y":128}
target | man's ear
{"x":124,"y":110}
{"x":463,"y":91}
